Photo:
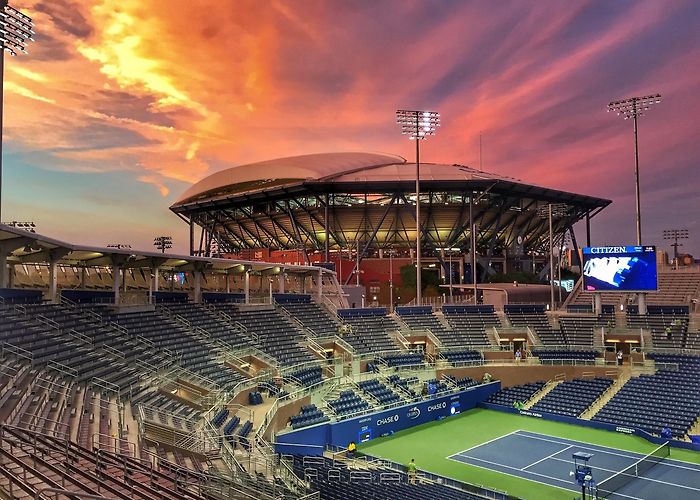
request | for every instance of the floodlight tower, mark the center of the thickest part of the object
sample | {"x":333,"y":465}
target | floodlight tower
{"x":632,"y":108}
{"x":418,"y":125}
{"x":675,"y":235}
{"x":163,"y":243}
{"x":16,"y":31}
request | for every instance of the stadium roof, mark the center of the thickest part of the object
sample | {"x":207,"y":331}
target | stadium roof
{"x":333,"y":200}
{"x":348,"y":172}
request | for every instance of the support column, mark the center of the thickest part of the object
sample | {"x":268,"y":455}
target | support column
{"x":319,"y":292}
{"x":281,"y":282}
{"x":197,"y":287}
{"x":642,"y":303}
{"x":155,"y":279}
{"x":53,"y":281}
{"x":597,"y":304}
{"x":116,"y":274}
{"x":83,"y":277}
{"x":124,"y":275}
{"x":228,"y":283}
{"x":461,"y":270}
{"x":4,"y":271}
{"x":11,"y":276}
{"x":246,"y":287}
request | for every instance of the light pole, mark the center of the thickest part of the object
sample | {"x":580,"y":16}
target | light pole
{"x":632,"y":108}
{"x":449,"y":252}
{"x":418,"y":125}
{"x":675,"y":235}
{"x":16,"y":31}
{"x":163,"y":243}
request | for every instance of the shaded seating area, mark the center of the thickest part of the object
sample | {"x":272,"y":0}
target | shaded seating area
{"x":669,"y":398}
{"x":309,"y":415}
{"x":403,"y":385}
{"x":200,"y":317}
{"x":579,"y":330}
{"x":369,"y":329}
{"x":573,"y":397}
{"x":471,"y":322}
{"x":463,"y":382}
{"x":535,"y":317}
{"x":379,"y":391}
{"x":521,"y":393}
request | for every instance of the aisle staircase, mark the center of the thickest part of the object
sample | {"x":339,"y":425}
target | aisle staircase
{"x":551,"y":384}
{"x":606,"y":396}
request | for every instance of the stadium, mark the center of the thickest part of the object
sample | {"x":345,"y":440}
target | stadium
{"x":341,"y":325}
{"x":144,"y":374}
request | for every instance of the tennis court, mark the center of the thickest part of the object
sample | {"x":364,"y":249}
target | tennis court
{"x":546,"y":459}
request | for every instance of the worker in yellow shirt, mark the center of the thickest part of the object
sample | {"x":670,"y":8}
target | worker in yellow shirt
{"x":352,"y":447}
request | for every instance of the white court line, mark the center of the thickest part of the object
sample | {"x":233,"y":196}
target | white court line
{"x":568,"y":483}
{"x":642,"y":478}
{"x":603,"y":449}
{"x":484,"y":443}
{"x":548,"y":456}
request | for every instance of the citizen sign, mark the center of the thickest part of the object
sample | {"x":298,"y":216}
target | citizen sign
{"x":388,"y":420}
{"x":439,"y":406}
{"x":608,"y":250}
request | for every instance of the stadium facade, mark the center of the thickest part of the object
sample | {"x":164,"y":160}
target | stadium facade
{"x":319,"y":204}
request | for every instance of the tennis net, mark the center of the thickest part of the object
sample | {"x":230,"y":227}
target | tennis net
{"x":612,"y":484}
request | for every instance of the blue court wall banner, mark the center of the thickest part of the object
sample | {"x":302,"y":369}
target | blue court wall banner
{"x":372,"y":426}
{"x":594,"y":424}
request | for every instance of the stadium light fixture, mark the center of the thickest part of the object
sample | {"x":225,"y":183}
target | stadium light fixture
{"x":16,"y":31}
{"x":675,"y":235}
{"x":163,"y":243}
{"x":418,"y":125}
{"x":119,"y":246}
{"x":26,"y":225}
{"x":450,"y":251}
{"x":632,"y":108}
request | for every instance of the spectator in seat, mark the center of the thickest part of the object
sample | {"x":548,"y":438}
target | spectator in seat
{"x":666,"y":433}
{"x":518,"y":356}
{"x":619,"y":357}
{"x":352,"y":447}
{"x":412,"y":470}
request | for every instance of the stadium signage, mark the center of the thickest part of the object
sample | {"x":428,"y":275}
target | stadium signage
{"x":388,"y":420}
{"x":413,"y":413}
{"x":531,"y":414}
{"x":607,"y":249}
{"x":439,"y":406}
{"x":624,"y":430}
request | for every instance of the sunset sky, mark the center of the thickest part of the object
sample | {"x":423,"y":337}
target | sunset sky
{"x":122,"y":104}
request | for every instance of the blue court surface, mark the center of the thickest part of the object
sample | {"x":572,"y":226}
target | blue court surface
{"x":546,"y":459}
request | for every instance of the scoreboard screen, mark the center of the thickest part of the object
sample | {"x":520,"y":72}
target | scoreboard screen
{"x":619,"y":269}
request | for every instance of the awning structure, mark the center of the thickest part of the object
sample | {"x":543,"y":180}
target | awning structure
{"x":21,"y":247}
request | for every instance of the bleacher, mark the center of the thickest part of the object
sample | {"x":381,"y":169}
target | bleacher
{"x":308,"y":313}
{"x":463,"y":382}
{"x":470,"y":323}
{"x":404,"y":359}
{"x":534,"y":316}
{"x":198,"y":316}
{"x":668,"y":324}
{"x":338,"y":482}
{"x":348,"y":402}
{"x":462,"y":357}
{"x":520,"y":393}
{"x":309,"y":415}
{"x":369,"y":329}
{"x":573,"y":397}
{"x":579,"y":330}
{"x":668,"y":398}
{"x":273,"y":332}
{"x":403,"y":385}
{"x":306,"y":376}
{"x":422,"y":318}
{"x":379,"y":391}
{"x":565,"y":357}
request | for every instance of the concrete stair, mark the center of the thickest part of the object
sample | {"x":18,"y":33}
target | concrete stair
{"x":606,"y":396}
{"x":542,"y":393}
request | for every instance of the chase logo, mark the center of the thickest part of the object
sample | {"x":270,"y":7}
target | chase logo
{"x":413,"y":413}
